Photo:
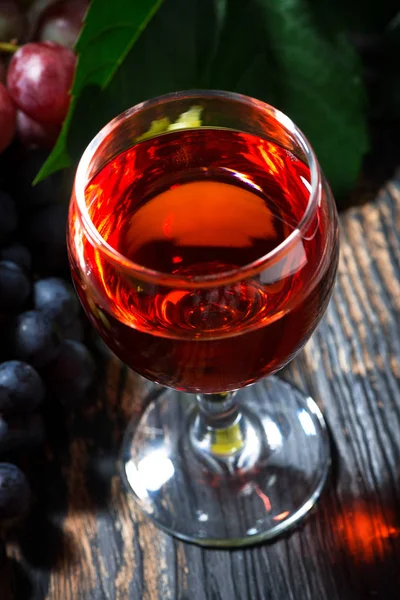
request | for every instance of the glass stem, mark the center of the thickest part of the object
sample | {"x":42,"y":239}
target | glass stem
{"x":218,"y":426}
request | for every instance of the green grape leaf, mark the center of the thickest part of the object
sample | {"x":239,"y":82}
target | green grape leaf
{"x":109,"y":32}
{"x":279,"y":51}
{"x":285,"y":57}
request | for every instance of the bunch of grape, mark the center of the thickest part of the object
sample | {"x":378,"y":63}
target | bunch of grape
{"x":35,"y":82}
{"x":41,"y":350}
{"x":42,"y":329}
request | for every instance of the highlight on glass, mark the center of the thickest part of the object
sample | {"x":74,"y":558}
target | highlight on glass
{"x":203,"y":243}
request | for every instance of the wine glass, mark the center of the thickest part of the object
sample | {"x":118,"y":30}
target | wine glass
{"x":203,"y":243}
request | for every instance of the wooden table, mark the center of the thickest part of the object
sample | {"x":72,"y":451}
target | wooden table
{"x":86,"y":540}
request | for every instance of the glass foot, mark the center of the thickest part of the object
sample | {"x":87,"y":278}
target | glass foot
{"x":256,"y":479}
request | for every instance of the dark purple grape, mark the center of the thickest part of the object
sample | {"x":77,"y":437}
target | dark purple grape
{"x":14,"y":286}
{"x":15,"y":493}
{"x":35,"y":338}
{"x":39,"y":79}
{"x":20,"y":434}
{"x":72,"y":372}
{"x":21,"y":387}
{"x":48,"y":238}
{"x":8,"y":216}
{"x":18,"y":254}
{"x":56,"y":298}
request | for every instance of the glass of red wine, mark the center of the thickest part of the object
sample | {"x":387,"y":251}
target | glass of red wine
{"x":203,"y":242}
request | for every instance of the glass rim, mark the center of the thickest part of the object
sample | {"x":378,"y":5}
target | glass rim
{"x":162,"y":278}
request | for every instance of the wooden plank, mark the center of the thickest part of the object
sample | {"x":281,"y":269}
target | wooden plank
{"x":86,"y":539}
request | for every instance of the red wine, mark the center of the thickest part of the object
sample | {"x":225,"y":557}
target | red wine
{"x":193,"y":204}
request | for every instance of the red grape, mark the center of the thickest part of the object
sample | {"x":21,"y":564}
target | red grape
{"x":35,"y":134}
{"x":39,"y":78}
{"x":7,"y":119}
{"x":61,"y":22}
{"x":12,"y":21}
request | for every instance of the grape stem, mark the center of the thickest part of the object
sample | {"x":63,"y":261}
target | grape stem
{"x":8,"y":47}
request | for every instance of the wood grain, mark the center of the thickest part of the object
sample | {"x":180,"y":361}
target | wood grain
{"x":86,"y":540}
